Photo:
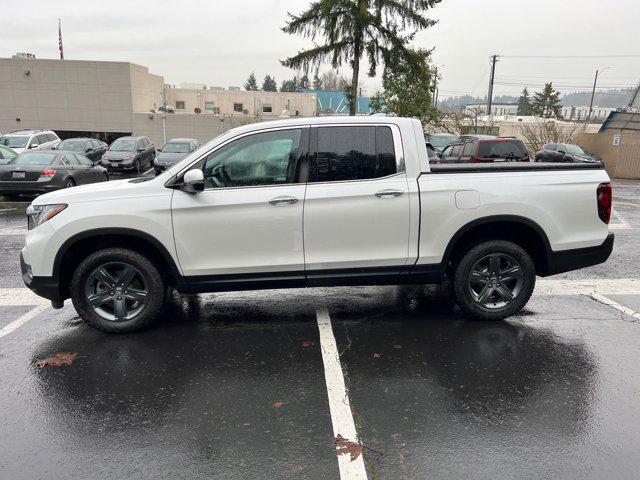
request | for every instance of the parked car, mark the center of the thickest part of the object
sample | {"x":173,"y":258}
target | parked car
{"x":262,"y":206}
{"x":42,"y":171}
{"x":439,"y":140}
{"x":478,"y":150}
{"x":129,"y":154}
{"x":22,"y":140}
{"x":565,"y":152}
{"x":173,"y":151}
{"x":90,"y":147}
{"x":6,"y":155}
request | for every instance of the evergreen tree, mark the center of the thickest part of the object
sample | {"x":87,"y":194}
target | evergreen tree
{"x":317,"y":82}
{"x":547,"y":102}
{"x":251,"y":84}
{"x":407,"y":87}
{"x":353,"y":29}
{"x":269,"y":84}
{"x":524,"y":103}
{"x":290,"y":85}
{"x":304,"y":82}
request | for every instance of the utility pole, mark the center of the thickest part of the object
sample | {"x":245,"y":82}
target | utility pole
{"x":593,"y":94}
{"x":633,"y":97}
{"x":494,"y":59}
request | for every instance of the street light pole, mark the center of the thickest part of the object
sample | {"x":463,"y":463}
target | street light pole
{"x":593,"y":94}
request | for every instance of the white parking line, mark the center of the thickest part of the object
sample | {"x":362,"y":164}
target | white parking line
{"x":621,"y":224}
{"x":339,"y":406}
{"x":612,"y":286}
{"x":21,"y":230}
{"x":17,"y":297}
{"x":621,"y":308}
{"x":22,"y":320}
{"x":7,"y":210}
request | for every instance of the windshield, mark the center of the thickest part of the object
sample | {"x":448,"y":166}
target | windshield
{"x":502,"y":149}
{"x":175,"y":148}
{"x":14,"y":142}
{"x":576,"y":150}
{"x":74,"y":145}
{"x":123,"y":146}
{"x":440,"y":141}
{"x":33,"y":158}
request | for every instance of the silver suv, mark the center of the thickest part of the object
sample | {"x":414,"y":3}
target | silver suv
{"x":22,"y":140}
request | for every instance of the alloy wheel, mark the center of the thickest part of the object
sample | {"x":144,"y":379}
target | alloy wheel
{"x":116,"y":291}
{"x":495,"y":280}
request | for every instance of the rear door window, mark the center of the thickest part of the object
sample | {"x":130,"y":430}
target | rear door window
{"x":353,"y":153}
{"x":507,"y":149}
{"x":82,"y":160}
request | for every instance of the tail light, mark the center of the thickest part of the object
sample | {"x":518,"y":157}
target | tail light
{"x":473,"y":159}
{"x":47,"y":173}
{"x":605,"y":198}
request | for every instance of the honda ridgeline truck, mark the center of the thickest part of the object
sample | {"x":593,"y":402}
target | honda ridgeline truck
{"x":315,"y":202}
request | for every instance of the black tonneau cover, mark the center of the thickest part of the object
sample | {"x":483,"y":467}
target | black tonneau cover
{"x":510,"y":167}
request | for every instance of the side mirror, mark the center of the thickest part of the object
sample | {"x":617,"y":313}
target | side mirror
{"x":193,"y":181}
{"x":33,"y":145}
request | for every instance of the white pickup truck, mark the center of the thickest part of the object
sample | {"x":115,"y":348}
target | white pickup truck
{"x":315,"y":202}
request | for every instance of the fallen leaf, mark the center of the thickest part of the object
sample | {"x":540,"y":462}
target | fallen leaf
{"x":60,"y":358}
{"x":344,"y":446}
{"x":277,"y":404}
{"x":297,"y":468}
{"x":376,"y":355}
{"x":306,"y":344}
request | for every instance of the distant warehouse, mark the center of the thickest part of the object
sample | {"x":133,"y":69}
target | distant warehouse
{"x":111,"y":99}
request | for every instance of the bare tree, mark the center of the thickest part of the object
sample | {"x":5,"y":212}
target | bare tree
{"x":541,"y":132}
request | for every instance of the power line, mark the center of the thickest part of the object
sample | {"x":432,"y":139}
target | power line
{"x":571,"y":56}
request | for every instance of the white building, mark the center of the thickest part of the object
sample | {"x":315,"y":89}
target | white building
{"x":497,"y":109}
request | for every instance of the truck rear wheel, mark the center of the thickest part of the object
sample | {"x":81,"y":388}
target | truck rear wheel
{"x":494,"y":280}
{"x":118,"y":290}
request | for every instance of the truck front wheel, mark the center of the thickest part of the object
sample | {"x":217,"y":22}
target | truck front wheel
{"x":494,"y":280}
{"x":118,"y":290}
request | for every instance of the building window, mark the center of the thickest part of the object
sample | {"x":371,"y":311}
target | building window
{"x":267,"y":109}
{"x":208,"y":105}
{"x":237,"y":107}
{"x":179,"y":105}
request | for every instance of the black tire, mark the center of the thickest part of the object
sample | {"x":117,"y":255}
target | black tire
{"x":138,"y":167}
{"x":151,"y":276}
{"x":105,"y":177}
{"x":469,"y":290}
{"x":69,"y":182}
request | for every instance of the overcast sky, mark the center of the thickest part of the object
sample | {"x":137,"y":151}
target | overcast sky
{"x":218,"y":42}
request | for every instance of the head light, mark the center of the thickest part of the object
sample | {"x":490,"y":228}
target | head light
{"x":38,"y":214}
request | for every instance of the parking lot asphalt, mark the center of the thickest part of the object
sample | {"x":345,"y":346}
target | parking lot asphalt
{"x":242,"y":385}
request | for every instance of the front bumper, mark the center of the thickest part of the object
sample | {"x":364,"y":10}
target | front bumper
{"x":568,"y":260}
{"x":46,"y":287}
{"x":118,"y":166}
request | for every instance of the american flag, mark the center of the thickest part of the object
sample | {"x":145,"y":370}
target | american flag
{"x":60,"y":40}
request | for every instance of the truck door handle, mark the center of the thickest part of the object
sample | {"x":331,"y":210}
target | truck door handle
{"x":389,"y":193}
{"x":283,"y":200}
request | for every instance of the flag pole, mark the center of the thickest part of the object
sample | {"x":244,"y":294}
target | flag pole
{"x":60,"y":39}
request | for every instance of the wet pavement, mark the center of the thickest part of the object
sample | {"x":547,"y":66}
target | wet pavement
{"x":234,"y":385}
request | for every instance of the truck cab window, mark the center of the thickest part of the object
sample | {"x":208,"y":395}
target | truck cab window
{"x":268,"y":158}
{"x":353,"y":153}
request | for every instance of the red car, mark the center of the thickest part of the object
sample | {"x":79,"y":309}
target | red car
{"x":480,"y":150}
